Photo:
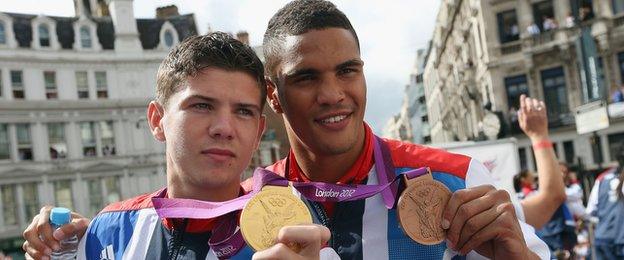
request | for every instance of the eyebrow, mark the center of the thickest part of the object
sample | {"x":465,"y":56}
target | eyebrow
{"x":214,"y":100}
{"x":350,"y":63}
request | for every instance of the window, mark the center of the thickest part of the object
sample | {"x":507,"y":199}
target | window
{"x":616,"y":143}
{"x":543,"y":11}
{"x":618,"y":6}
{"x":44,"y":35}
{"x":508,"y":26}
{"x":5,"y":145}
{"x":568,"y":151}
{"x":103,"y":191}
{"x":87,"y":132}
{"x":516,"y":86}
{"x":168,"y":39}
{"x":582,"y":9}
{"x":2,"y":34}
{"x":56,"y":138}
{"x":523,"y":159}
{"x":9,"y":205}
{"x":82,"y":84}
{"x":621,"y":62}
{"x":24,"y":144}
{"x":107,"y":136}
{"x":113,"y":189}
{"x":96,"y":201}
{"x":63,"y":194}
{"x":101,"y":84}
{"x":85,"y":37}
{"x":31,"y":200}
{"x":17,"y":83}
{"x":49,"y":79}
{"x":553,"y":82}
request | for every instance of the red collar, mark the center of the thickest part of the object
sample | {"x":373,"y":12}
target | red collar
{"x":356,"y":174}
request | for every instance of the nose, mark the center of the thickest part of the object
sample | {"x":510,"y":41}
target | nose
{"x":330,"y":92}
{"x":222,"y":127}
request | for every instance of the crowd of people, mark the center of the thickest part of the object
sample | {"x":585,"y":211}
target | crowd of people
{"x":210,"y":94}
{"x":571,"y":230}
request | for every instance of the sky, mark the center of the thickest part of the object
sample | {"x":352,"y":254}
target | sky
{"x":390,"y":32}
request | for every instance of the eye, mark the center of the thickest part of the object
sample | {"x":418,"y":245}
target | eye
{"x":346,"y":71}
{"x":305,"y":77}
{"x":202,"y":106}
{"x":245,"y":112}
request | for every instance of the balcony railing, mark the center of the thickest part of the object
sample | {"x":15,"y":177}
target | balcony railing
{"x":543,"y":38}
{"x":511,"y":48}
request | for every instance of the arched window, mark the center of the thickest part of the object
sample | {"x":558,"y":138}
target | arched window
{"x":85,"y":37}
{"x":2,"y":34}
{"x":168,"y":39}
{"x":44,"y":36}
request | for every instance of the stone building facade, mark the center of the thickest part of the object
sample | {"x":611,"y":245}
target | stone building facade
{"x":485,"y":54}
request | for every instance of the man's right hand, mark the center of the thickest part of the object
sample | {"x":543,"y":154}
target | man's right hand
{"x":308,"y":240}
{"x":41,"y":240}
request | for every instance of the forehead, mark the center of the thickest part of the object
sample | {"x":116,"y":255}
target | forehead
{"x":221,"y":84}
{"x":318,"y":48}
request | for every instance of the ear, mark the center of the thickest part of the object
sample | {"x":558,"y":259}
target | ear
{"x":155,"y":114}
{"x":261,"y":129}
{"x":272,"y":96}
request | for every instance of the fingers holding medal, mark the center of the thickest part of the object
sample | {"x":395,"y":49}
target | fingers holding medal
{"x":267,"y":212}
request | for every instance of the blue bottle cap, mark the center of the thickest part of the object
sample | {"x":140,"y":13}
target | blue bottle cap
{"x":60,"y":216}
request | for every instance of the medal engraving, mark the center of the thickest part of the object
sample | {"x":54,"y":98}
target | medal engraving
{"x":420,"y":210}
{"x":267,"y":212}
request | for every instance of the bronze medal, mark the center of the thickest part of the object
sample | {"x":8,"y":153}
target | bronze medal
{"x":267,"y":212}
{"x":420,"y":209}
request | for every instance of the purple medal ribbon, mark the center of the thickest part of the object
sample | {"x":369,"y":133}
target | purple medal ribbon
{"x":227,"y":239}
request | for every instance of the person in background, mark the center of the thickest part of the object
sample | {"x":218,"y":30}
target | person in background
{"x":539,"y":205}
{"x":606,"y":208}
{"x":544,"y":207}
{"x":618,"y":95}
{"x":574,"y":192}
{"x":533,"y":29}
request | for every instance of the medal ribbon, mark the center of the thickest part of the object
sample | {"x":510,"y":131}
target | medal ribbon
{"x":227,"y":234}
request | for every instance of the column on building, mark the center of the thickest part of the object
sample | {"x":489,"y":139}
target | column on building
{"x":73,"y":139}
{"x":525,"y":16}
{"x":39,"y":140}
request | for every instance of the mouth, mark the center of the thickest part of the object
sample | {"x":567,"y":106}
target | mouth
{"x":336,"y":121}
{"x":218,"y":154}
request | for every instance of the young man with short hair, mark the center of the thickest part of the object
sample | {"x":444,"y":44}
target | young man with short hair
{"x":316,"y":82}
{"x":208,"y":111}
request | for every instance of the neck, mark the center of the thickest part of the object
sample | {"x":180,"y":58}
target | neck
{"x":178,"y":188}
{"x":214,"y":195}
{"x":326,"y":167}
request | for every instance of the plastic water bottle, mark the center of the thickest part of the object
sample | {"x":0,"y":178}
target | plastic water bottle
{"x":59,"y":217}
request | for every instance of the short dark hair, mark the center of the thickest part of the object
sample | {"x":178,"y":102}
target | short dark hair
{"x":296,"y":18}
{"x":216,"y":49}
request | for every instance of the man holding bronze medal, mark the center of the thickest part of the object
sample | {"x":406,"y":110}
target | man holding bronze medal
{"x":316,"y":81}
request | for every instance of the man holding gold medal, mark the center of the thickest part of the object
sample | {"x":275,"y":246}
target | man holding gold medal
{"x":391,"y":200}
{"x":208,"y":111}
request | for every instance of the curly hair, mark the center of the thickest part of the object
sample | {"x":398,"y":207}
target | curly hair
{"x":296,"y":18}
{"x":216,"y":49}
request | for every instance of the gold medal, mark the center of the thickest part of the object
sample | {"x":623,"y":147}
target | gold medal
{"x":267,"y":212}
{"x":420,"y":209}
